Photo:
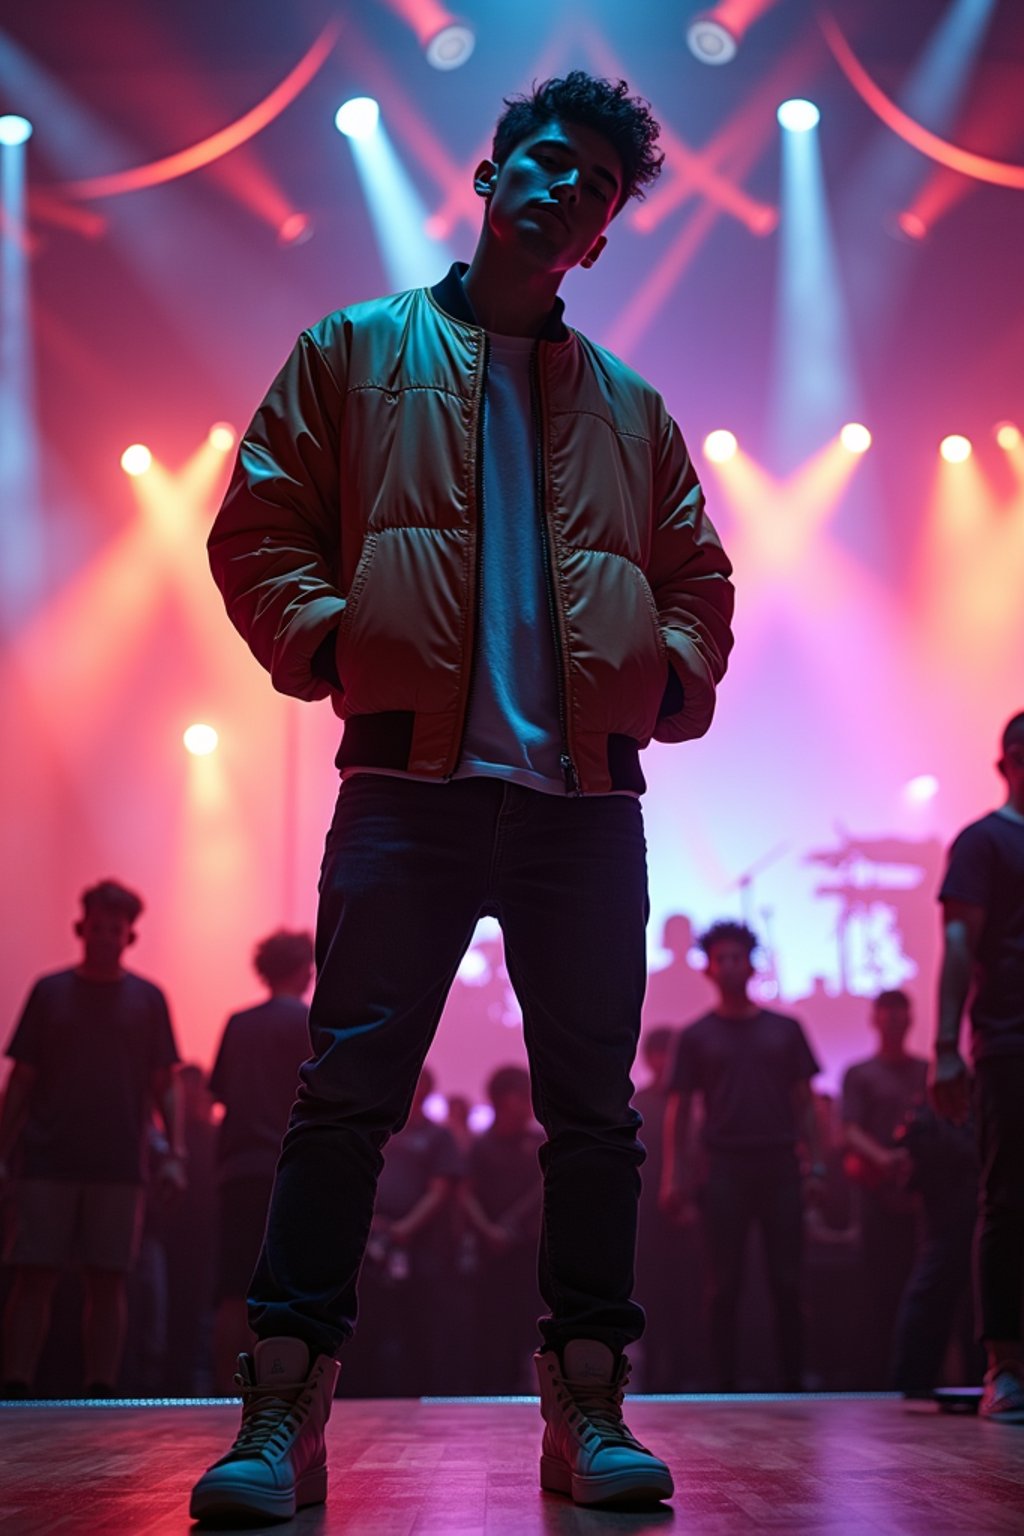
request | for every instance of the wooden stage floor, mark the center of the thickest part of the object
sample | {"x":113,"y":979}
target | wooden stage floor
{"x":453,"y":1467}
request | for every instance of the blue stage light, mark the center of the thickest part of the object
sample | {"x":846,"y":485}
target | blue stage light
{"x":798,"y":116}
{"x":358,"y":117}
{"x":14,"y":129}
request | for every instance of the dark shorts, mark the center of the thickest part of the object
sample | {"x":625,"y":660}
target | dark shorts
{"x":242,"y":1216}
{"x":56,"y":1224}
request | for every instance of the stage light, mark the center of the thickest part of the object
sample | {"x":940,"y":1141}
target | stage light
{"x":855,"y":438}
{"x":922,"y":789}
{"x":720,"y":446}
{"x":200,"y":740}
{"x":798,"y":116}
{"x":451,"y":46}
{"x":136,"y":459}
{"x":911,"y":225}
{"x":222,"y":437}
{"x":14,"y":130}
{"x":296,"y":229}
{"x":1008,"y":435}
{"x":358,"y":117}
{"x":480,"y":1118}
{"x":956,"y":449}
{"x":710,"y":40}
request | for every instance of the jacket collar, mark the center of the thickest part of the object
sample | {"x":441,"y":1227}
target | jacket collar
{"x":450,"y":296}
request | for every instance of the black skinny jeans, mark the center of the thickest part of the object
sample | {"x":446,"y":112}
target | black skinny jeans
{"x":408,"y":869}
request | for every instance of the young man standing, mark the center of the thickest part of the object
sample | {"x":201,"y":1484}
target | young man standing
{"x":982,"y":900}
{"x":752,"y":1068}
{"x":482,"y":535}
{"x":93,"y":1056}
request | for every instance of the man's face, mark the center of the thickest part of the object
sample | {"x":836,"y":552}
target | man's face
{"x":1011,"y":766}
{"x":105,"y":936}
{"x":893,"y":1024}
{"x":555,"y":195}
{"x":730,"y":967}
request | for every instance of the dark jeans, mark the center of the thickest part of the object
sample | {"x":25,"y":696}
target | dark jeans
{"x":408,"y":869}
{"x":934,"y":1295}
{"x":999,"y":1243}
{"x":744,"y":1189}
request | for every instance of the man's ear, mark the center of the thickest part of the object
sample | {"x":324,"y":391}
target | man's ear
{"x":595,"y":251}
{"x":484,"y":178}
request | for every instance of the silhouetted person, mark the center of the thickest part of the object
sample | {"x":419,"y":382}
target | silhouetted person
{"x":878,"y":1094}
{"x":93,"y":1055}
{"x":502,"y":1200}
{"x":982,"y":899}
{"x":752,"y":1069}
{"x":483,"y":537}
{"x":409,"y":1261}
{"x":676,"y":990}
{"x":255,"y":1077}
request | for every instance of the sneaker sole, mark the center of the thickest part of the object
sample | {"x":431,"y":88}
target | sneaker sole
{"x":240,"y":1501}
{"x":614,"y":1488}
{"x":1006,"y":1416}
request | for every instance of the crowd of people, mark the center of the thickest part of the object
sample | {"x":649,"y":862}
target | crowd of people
{"x":140,"y":1189}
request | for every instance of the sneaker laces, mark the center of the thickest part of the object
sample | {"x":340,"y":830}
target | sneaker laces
{"x":600,"y":1403}
{"x":268,"y":1414}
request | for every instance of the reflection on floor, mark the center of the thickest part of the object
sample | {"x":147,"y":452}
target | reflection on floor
{"x":845,"y":1466}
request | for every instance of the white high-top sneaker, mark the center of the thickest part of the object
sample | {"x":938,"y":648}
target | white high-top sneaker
{"x":588,"y":1452}
{"x":278,"y":1462}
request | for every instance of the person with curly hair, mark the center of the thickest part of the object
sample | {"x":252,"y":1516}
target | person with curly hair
{"x":482,"y":536}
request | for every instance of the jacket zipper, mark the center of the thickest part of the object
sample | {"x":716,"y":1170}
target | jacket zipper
{"x":478,"y":562}
{"x":569,"y":773}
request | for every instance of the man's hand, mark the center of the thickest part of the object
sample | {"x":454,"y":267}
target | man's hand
{"x":949,"y":1086}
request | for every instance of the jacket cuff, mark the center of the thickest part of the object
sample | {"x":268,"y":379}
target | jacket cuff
{"x":674,"y":697}
{"x":323,"y":663}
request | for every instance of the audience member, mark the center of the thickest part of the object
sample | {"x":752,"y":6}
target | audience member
{"x":752,"y":1069}
{"x":406,"y":1274}
{"x":878,"y":1094}
{"x":255,"y":1077}
{"x":502,"y":1200}
{"x":93,"y":1054}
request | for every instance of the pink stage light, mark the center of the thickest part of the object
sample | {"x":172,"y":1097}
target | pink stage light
{"x":1008,"y":436}
{"x":855,"y":438}
{"x":136,"y":459}
{"x":296,"y":229}
{"x":714,"y":36}
{"x":200,"y":740}
{"x":956,"y":449}
{"x":222,"y":437}
{"x":447,"y":41}
{"x":720,"y":446}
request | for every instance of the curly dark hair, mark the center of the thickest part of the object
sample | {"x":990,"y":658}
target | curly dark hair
{"x":728,"y":932}
{"x":280,"y":956}
{"x":112,"y":896}
{"x":624,"y":120}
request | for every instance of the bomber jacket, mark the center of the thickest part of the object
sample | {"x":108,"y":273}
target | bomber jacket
{"x":347,"y":547}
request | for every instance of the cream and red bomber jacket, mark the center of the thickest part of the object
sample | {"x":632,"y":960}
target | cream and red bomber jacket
{"x":353,"y":510}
